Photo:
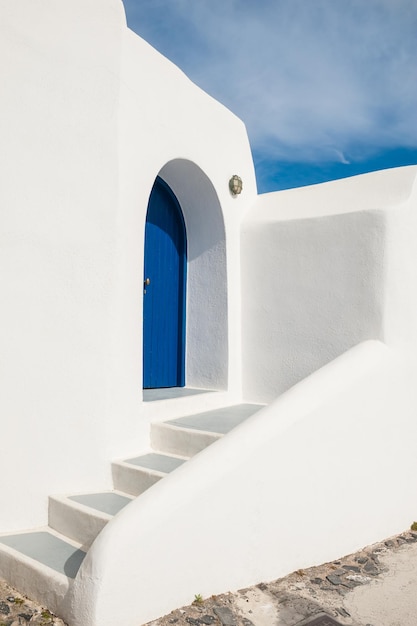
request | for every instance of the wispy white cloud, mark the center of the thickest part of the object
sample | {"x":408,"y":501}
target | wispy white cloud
{"x":310,"y":78}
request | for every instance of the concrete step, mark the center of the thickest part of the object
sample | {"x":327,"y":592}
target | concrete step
{"x":189,"y":435}
{"x":42,"y":565}
{"x":81,"y":517}
{"x":133,"y":476}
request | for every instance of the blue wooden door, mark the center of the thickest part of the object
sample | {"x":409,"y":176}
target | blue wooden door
{"x":164,"y":291}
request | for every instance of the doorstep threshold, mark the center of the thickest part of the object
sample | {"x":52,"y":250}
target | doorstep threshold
{"x":171,"y":393}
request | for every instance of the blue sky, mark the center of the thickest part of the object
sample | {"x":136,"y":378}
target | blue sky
{"x":326,"y":88}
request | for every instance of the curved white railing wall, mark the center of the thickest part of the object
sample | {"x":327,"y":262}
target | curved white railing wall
{"x":318,"y":473}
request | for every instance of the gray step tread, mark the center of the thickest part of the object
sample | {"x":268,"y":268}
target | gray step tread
{"x":48,"y":549}
{"x":107,"y":502}
{"x":155,"y":461}
{"x":219,"y":421}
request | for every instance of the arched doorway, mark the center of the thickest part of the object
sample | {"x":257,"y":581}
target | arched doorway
{"x":164,"y":290}
{"x":204,"y":296}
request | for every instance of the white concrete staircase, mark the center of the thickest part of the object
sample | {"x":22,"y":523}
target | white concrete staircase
{"x":44,"y":562}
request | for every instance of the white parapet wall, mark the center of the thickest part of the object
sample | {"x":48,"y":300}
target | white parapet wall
{"x":315,"y":475}
{"x":324,"y":268}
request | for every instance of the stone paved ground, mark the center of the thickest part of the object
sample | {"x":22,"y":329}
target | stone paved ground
{"x":17,"y":610}
{"x":302,"y":594}
{"x":284,"y":602}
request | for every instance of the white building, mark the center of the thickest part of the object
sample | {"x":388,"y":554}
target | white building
{"x":303,"y":302}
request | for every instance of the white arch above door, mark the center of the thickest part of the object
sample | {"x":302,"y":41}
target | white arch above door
{"x":207,"y":349}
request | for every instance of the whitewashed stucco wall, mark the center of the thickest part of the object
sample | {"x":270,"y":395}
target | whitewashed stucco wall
{"x":196,"y":145}
{"x":400,"y":328}
{"x":58,"y":164}
{"x":315,"y":265}
{"x":91,"y":116}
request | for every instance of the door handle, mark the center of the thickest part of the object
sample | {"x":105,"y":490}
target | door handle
{"x":146,"y":282}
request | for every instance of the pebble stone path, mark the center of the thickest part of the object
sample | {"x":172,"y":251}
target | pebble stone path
{"x":297,"y":598}
{"x":17,"y":610}
{"x":290,"y":601}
